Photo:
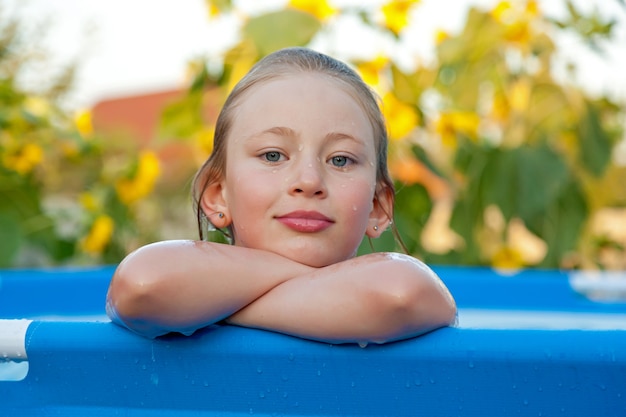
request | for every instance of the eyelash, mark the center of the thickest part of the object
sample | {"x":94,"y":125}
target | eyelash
{"x":266,"y":154}
{"x":348,"y":160}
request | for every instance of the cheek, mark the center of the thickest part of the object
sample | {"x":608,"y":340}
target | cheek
{"x":248,"y":198}
{"x":358,"y":197}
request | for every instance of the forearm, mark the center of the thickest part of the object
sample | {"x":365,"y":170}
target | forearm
{"x":184,"y":285}
{"x":376,"y":298}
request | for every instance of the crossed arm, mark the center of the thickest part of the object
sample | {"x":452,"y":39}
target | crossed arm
{"x":181,"y":286}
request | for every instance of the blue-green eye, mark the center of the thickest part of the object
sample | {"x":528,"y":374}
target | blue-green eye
{"x":340,"y":161}
{"x":272,"y":156}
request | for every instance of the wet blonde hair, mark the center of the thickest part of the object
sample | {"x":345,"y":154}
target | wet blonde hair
{"x":288,"y":62}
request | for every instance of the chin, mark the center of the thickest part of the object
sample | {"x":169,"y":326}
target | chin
{"x":314,"y":258}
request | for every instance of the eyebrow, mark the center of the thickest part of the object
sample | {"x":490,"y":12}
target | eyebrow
{"x":289,"y":132}
{"x":342,"y":136}
{"x":276,"y":130}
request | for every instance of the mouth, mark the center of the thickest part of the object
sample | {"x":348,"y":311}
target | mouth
{"x":305,"y":221}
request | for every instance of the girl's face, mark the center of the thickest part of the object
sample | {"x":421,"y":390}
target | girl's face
{"x":301,"y":170}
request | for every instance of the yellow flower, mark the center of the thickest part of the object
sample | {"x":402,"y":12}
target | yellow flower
{"x":318,"y":8}
{"x":130,"y":190}
{"x":242,"y":58}
{"x":204,"y":139}
{"x":89,"y":202}
{"x":217,"y":7}
{"x":518,"y":32}
{"x":370,"y":71}
{"x":396,"y":14}
{"x":401,"y":118}
{"x":440,"y":36}
{"x":82,"y":120}
{"x":500,"y":107}
{"x":516,"y":20}
{"x":502,"y":11}
{"x":507,"y":258}
{"x":37,"y":106}
{"x":520,"y":95}
{"x":214,"y":11}
{"x":99,"y":235}
{"x":532,"y":8}
{"x":450,"y":124}
{"x":24,"y":159}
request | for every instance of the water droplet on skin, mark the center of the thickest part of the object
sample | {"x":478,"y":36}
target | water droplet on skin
{"x":300,"y":147}
{"x":354,"y":208}
{"x":362,"y":345}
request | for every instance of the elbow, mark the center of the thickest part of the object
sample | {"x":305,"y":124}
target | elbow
{"x":414,"y":301}
{"x":130,"y":297}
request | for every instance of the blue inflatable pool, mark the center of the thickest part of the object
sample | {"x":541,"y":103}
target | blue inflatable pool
{"x":530,"y":344}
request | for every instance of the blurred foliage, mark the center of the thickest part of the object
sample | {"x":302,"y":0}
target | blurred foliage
{"x":66,"y":195}
{"x":490,"y":153}
{"x":496,"y":162}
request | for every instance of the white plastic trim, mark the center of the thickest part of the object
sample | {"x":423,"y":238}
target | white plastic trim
{"x":606,"y":286}
{"x":13,"y":339}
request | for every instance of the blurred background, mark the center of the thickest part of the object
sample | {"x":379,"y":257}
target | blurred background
{"x":506,"y":120}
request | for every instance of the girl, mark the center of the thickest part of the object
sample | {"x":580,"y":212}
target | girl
{"x":297,"y":177}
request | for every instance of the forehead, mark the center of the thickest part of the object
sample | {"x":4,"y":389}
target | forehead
{"x":302,"y":100}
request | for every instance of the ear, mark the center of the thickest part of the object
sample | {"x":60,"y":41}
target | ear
{"x":214,"y":206}
{"x":382,"y":211}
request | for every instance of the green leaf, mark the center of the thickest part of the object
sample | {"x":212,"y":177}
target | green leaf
{"x":182,"y":118}
{"x":281,"y":29}
{"x":595,"y":142}
{"x":11,"y":239}
{"x":413,"y":208}
{"x":499,"y":179}
{"x":542,"y":174}
{"x":467,"y":215}
{"x":561,"y":224}
{"x":405,"y":86}
{"x":423,"y":157}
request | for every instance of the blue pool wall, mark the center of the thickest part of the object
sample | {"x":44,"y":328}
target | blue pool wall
{"x":79,"y":364}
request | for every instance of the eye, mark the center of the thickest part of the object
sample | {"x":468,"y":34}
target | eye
{"x":272,"y":156}
{"x":341,"y":161}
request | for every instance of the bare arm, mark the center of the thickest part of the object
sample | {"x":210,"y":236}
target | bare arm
{"x":375,"y":298}
{"x":184,"y":285}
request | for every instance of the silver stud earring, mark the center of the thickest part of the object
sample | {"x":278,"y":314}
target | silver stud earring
{"x":220,"y":215}
{"x":375,"y":228}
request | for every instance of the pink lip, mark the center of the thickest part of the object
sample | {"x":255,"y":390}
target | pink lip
{"x":305,"y":221}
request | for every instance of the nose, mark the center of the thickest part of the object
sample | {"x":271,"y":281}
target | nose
{"x":309,"y":180}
